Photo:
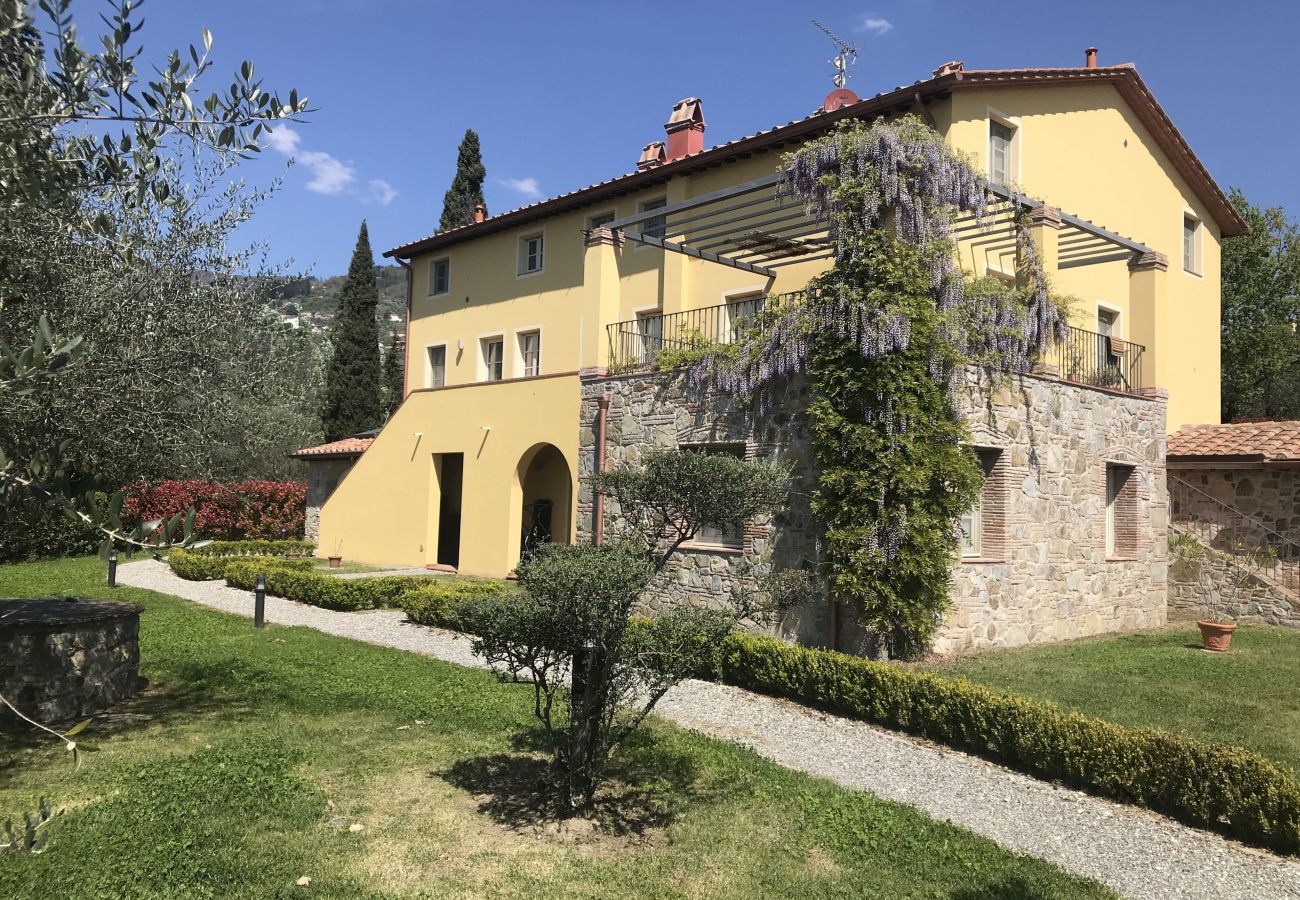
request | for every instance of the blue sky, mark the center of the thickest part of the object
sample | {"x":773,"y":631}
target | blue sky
{"x":564,"y":94}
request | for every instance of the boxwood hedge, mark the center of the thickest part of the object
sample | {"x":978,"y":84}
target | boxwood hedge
{"x":1211,"y":786}
{"x":194,"y":566}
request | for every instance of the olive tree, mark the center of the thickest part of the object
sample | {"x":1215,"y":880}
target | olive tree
{"x":597,"y":670}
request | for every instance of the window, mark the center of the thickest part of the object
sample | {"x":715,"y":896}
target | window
{"x":439,"y":277}
{"x":732,"y":536}
{"x":1191,"y":245}
{"x":1105,"y":331}
{"x":531,"y":254}
{"x":437,"y":366}
{"x":655,"y":226}
{"x":493,"y":359}
{"x":1000,"y":147}
{"x":650,"y":326}
{"x":600,"y":220}
{"x":741,"y":315}
{"x":530,"y":353}
{"x":983,"y":529}
{"x":1121,"y":512}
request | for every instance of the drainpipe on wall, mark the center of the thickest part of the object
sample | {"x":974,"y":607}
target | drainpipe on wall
{"x":598,"y":501}
{"x":406,"y":344}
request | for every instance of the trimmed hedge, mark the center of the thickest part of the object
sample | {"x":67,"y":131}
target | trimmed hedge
{"x":196,"y":566}
{"x":439,"y":603}
{"x":317,"y":588}
{"x":1211,"y":786}
{"x":255,"y":548}
{"x":228,"y":511}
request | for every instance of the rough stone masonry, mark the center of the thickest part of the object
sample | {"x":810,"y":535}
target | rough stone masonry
{"x":1051,"y":451}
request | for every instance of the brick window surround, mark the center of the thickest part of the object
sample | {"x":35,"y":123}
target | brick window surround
{"x":1121,"y":511}
{"x":993,"y":507}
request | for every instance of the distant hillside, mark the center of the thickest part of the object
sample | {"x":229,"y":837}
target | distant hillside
{"x":319,"y":297}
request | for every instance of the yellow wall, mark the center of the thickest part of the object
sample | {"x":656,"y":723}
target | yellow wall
{"x":384,"y":511}
{"x":1082,"y":150}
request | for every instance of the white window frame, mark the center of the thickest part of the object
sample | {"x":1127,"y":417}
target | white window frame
{"x":1013,"y":146}
{"x":483,"y":341}
{"x":612,"y":213}
{"x":432,"y":290}
{"x":1198,"y":243}
{"x":521,"y":362}
{"x":639,"y":315}
{"x":524,"y":239}
{"x":731,"y":299}
{"x":645,"y":206}
{"x":428,"y":364}
{"x":972,"y":544}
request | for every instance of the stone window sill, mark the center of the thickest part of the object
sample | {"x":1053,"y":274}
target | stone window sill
{"x":982,"y":560}
{"x":1121,"y":559}
{"x":720,"y":549}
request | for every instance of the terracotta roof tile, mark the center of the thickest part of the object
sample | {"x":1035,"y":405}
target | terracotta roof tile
{"x":1263,"y":441}
{"x":351,"y":446}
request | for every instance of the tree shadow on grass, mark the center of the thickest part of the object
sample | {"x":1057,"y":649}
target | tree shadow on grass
{"x":1011,"y":888}
{"x":646,"y":788}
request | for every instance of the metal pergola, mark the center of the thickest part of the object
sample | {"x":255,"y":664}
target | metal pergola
{"x":752,"y":227}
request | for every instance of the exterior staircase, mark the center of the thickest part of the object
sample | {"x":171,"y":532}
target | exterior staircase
{"x":1230,"y":538}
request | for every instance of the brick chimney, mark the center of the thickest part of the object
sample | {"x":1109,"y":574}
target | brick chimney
{"x":651,"y":155}
{"x":685,"y":129}
{"x":1090,"y":58}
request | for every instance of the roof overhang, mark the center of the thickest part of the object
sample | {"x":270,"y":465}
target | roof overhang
{"x":902,"y":99}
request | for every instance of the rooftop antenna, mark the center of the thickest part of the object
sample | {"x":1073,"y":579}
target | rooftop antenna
{"x":846,"y":55}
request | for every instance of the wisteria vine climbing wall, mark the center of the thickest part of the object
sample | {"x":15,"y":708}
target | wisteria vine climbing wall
{"x":884,"y":338}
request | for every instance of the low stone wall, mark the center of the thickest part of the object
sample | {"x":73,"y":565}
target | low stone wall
{"x":63,"y":660}
{"x":1050,"y":578}
{"x":1270,"y":495}
{"x":323,"y":476}
{"x":1215,"y":583}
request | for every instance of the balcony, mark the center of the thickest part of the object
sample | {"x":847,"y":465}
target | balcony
{"x":1083,"y":357}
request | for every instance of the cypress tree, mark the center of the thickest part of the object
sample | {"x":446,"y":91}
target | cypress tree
{"x":466,"y":189}
{"x":394,"y":369}
{"x":353,"y":387}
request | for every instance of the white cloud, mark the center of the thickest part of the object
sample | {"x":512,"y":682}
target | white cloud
{"x":873,"y":24}
{"x":329,"y":175}
{"x":381,"y":191}
{"x":283,"y":139}
{"x":526,"y":186}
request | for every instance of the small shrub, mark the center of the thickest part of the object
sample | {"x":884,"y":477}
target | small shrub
{"x":440,"y":603}
{"x":1225,"y":789}
{"x":255,"y":548}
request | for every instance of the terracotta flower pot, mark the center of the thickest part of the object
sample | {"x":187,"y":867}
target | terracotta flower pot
{"x":335,"y":561}
{"x":294,"y":555}
{"x":1216,"y":636}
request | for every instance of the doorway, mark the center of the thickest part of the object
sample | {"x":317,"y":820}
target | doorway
{"x":451,"y":474}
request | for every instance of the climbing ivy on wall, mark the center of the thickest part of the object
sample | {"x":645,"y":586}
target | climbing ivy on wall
{"x":884,"y":338}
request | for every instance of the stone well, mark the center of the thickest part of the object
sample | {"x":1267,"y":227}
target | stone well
{"x":66,"y":659}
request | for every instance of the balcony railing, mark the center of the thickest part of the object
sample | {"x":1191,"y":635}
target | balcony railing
{"x":1083,"y":357}
{"x":637,"y":344}
{"x":1098,"y":360}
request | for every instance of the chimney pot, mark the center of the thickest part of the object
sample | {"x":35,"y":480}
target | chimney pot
{"x":1090,"y":58}
{"x":948,"y":68}
{"x":651,"y":155}
{"x":480,"y":212}
{"x":685,"y":129}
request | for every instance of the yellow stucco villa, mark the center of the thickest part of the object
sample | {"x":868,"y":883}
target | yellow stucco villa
{"x":512,"y":318}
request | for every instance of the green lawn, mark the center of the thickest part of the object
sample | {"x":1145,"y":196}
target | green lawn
{"x":251,"y":755}
{"x":1249,"y":696}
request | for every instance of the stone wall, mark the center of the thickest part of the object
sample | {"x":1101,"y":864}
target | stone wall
{"x":62,"y":660}
{"x":1050,"y":578}
{"x":323,"y":476}
{"x":1215,"y":583}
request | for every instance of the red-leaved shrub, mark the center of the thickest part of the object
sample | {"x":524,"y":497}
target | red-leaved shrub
{"x":239,"y":510}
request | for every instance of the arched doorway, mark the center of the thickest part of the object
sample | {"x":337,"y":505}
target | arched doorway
{"x":547,"y":498}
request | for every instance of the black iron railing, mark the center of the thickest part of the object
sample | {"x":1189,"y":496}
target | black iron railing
{"x":637,"y":344}
{"x":1083,"y":357}
{"x":1098,"y":360}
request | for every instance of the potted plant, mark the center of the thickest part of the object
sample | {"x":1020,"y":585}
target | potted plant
{"x":1220,"y":600}
{"x":337,"y":558}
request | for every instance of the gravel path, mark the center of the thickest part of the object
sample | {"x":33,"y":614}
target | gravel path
{"x":1135,"y":852}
